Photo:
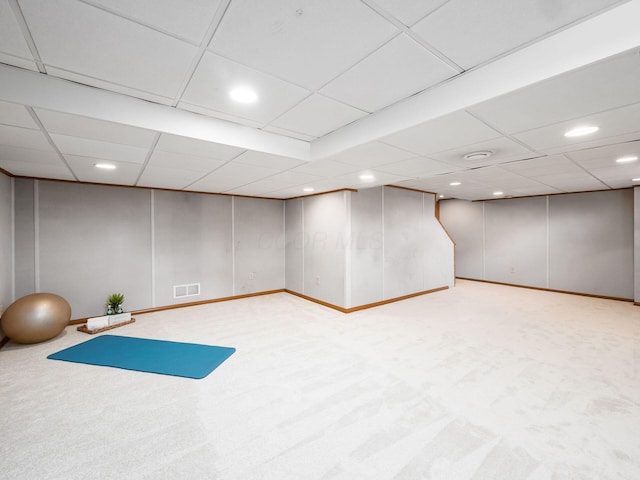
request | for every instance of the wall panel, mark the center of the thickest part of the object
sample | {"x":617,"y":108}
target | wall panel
{"x":294,"y":245}
{"x":24,"y":235}
{"x":403,"y":242}
{"x":515,"y":241}
{"x":94,"y":241}
{"x":192,"y":244}
{"x":366,"y":246}
{"x":464,"y":221}
{"x":591,"y":243}
{"x":6,"y":241}
{"x":325,"y":237}
{"x":439,"y":251}
{"x":259,"y":245}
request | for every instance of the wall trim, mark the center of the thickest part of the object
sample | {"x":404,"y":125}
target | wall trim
{"x":367,"y":305}
{"x":320,"y":193}
{"x":553,"y":290}
{"x":78,"y":321}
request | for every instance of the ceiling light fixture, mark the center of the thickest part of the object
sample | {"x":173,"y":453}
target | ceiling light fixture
{"x":630,"y":158}
{"x":478,"y":155}
{"x":367,"y":177}
{"x":580,"y":131}
{"x":497,"y":194}
{"x":105,"y":166}
{"x":308,"y":189}
{"x":455,"y":184}
{"x":635,"y":179}
{"x":243,"y":95}
{"x":441,"y":196}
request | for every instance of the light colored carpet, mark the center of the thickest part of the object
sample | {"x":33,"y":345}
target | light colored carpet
{"x":475,"y":383}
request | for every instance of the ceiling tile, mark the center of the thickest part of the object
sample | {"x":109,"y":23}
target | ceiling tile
{"x":602,"y":86}
{"x":90,"y":128}
{"x":606,"y":156}
{"x":617,"y":173}
{"x":12,"y":41}
{"x":353,"y":180}
{"x":23,"y":137}
{"x":418,"y":167}
{"x":230,"y":176}
{"x":167,"y":177}
{"x":612,"y":123}
{"x":28,"y":155}
{"x":326,"y":168}
{"x":572,"y":182}
{"x":288,"y":133}
{"x":318,"y":115}
{"x":371,"y":154}
{"x":398,"y":70}
{"x":84,"y":168}
{"x":277,"y":182}
{"x":195,"y":147}
{"x":409,"y":11}
{"x":552,"y":165}
{"x":215,"y":77}
{"x":471,"y":33}
{"x":188,"y":20}
{"x":56,"y":170}
{"x":445,"y":133}
{"x":16,"y":115}
{"x":192,"y":163}
{"x":503,"y":150}
{"x":306,"y":42}
{"x":261,"y":159}
{"x":99,"y":150}
{"x":79,"y":38}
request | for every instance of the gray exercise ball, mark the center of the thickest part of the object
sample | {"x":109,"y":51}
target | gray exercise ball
{"x":35,"y":318}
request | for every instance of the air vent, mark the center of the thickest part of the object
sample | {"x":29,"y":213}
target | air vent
{"x":190,"y":290}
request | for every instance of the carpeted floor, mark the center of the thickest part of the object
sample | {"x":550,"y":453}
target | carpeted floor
{"x":475,"y":383}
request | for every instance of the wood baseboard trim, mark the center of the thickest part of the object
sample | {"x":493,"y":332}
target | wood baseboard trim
{"x":79,"y":321}
{"x":368,"y":305}
{"x":4,"y":341}
{"x":592,"y":295}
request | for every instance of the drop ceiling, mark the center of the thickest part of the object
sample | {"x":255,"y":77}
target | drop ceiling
{"x":398,"y":90}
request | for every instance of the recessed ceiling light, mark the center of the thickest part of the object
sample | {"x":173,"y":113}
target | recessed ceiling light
{"x":105,"y":166}
{"x":243,"y":95}
{"x":630,"y":158}
{"x":441,"y":196}
{"x":580,"y":131}
{"x":308,"y":189}
{"x":478,"y":155}
{"x":367,"y":177}
{"x":498,"y":193}
{"x":635,"y":179}
{"x":455,"y":184}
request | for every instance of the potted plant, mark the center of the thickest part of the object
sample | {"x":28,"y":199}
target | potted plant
{"x":114,"y":303}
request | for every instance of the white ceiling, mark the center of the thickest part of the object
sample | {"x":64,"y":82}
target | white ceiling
{"x":400,"y":90}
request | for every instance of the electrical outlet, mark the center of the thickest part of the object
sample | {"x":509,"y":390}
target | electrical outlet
{"x":252,"y":275}
{"x":512,"y":270}
{"x":317,"y":280}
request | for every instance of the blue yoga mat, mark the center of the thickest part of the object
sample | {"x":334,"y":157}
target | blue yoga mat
{"x":189,"y":360}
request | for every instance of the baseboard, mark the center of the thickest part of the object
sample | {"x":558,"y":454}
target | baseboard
{"x":368,"y":305}
{"x":592,"y":295}
{"x":4,"y":341}
{"x":78,"y":321}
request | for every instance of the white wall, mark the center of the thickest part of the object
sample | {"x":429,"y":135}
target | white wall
{"x":325,"y":234}
{"x":6,"y":237}
{"x":374,"y":244}
{"x":86,"y":241}
{"x":582,"y":242}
